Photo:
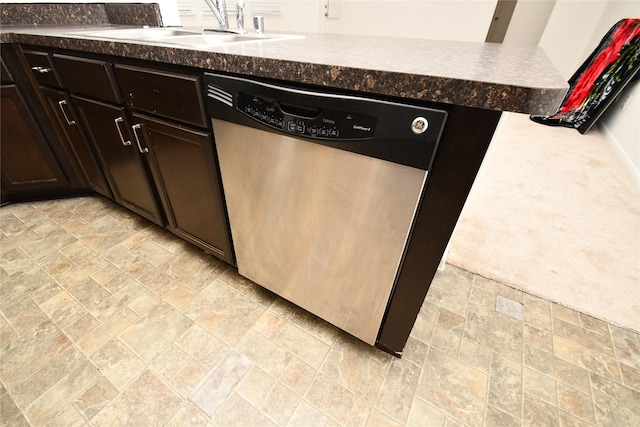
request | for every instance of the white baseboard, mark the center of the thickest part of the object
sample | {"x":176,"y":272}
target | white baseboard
{"x":634,"y":172}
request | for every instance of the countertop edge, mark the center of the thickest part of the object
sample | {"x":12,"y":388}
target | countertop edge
{"x":439,"y":89}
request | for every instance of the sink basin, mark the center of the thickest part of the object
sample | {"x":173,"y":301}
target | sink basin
{"x":135,"y":33}
{"x":216,"y":39}
{"x":180,"y":37}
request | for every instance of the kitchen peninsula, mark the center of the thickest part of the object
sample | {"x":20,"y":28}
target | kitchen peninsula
{"x":472,"y":82}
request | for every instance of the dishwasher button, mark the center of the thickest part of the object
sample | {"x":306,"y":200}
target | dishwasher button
{"x":334,"y":133}
{"x":291,"y":126}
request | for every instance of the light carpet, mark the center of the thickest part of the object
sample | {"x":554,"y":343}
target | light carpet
{"x":555,"y":214}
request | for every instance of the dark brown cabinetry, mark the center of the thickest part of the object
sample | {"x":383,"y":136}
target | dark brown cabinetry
{"x":60,"y":105}
{"x":27,"y":160}
{"x":183,"y":166}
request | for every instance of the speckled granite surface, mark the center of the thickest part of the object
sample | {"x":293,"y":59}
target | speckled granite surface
{"x":80,"y":14}
{"x":482,"y":75}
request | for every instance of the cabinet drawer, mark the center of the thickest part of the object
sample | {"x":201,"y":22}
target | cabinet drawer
{"x":166,"y":94}
{"x":42,"y":67}
{"x":88,"y":77}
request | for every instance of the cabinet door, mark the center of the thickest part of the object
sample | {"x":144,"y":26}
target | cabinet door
{"x":60,"y":105}
{"x":106,"y":126}
{"x":184,"y":166}
{"x":27,"y":160}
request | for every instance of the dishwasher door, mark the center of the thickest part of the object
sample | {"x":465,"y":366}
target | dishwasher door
{"x":322,"y":227}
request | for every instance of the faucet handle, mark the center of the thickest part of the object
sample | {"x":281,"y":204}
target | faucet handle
{"x":240,"y":16}
{"x":258,"y":24}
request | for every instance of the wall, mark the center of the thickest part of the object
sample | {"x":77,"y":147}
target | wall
{"x":528,"y":22}
{"x":168,"y":8}
{"x":572,"y":33}
{"x":429,"y":19}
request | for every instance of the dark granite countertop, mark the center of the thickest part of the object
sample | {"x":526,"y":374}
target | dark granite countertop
{"x":482,"y":75}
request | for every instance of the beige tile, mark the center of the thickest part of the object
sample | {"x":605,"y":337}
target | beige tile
{"x":592,"y":324}
{"x":424,"y":414}
{"x":153,"y":333}
{"x":147,"y":401}
{"x":302,"y":344}
{"x":212,"y":392}
{"x":159,"y":282}
{"x":230,"y":316}
{"x":7,"y":333}
{"x":398,"y":388}
{"x":446,"y":341}
{"x":95,"y":398}
{"x":269,"y":324}
{"x":495,"y":417}
{"x":264,"y":353}
{"x":576,"y":402}
{"x":539,"y":385}
{"x":627,"y":345}
{"x":200,"y":304}
{"x":24,"y":315}
{"x":557,"y":368}
{"x":237,"y":412}
{"x":88,"y":292}
{"x":455,"y":303}
{"x":62,"y":393}
{"x":255,"y":386}
{"x":317,"y":327}
{"x":379,"y":419}
{"x":338,"y":402}
{"x":283,"y":308}
{"x":450,"y":321}
{"x":11,"y":415}
{"x":280,"y":404}
{"x":105,"y":274}
{"x":119,"y":282}
{"x":202,"y":346}
{"x":306,"y":415}
{"x":53,"y":371}
{"x":483,"y":297}
{"x":207,"y":275}
{"x":180,"y":296}
{"x":539,"y":338}
{"x":150,"y":251}
{"x":535,"y":412}
{"x":108,"y":330}
{"x":475,"y":355}
{"x":425,"y":321}
{"x":188,"y":416}
{"x":170,"y":362}
{"x":586,"y":338}
{"x":505,"y":385}
{"x":568,"y":420}
{"x":185,"y":264}
{"x":188,"y":377}
{"x":537,"y":312}
{"x":581,"y":356}
{"x":144,"y":303}
{"x":68,"y":417}
{"x":118,"y":302}
{"x":30,"y":352}
{"x":415,"y":351}
{"x":240,"y":284}
{"x":453,"y":387}
{"x":630,"y":376}
{"x":264,"y":297}
{"x":454,"y":280}
{"x":564,"y":313}
{"x":495,"y":331}
{"x":615,"y":405}
{"x":357,"y":366}
{"x":63,"y":309}
{"x":298,"y":376}
{"x":118,"y":363}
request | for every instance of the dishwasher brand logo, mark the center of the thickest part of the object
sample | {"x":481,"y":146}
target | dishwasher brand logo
{"x":360,"y":127}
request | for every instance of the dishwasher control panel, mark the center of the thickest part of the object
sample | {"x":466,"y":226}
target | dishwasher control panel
{"x":306,"y":121}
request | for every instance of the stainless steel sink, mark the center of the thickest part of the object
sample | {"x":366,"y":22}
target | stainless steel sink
{"x":135,"y":33}
{"x":216,"y":39}
{"x":180,"y":37}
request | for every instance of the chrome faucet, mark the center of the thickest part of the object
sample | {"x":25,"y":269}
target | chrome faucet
{"x":219,"y":9}
{"x":240,"y":16}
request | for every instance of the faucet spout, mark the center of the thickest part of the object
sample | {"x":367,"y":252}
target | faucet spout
{"x":240,"y":16}
{"x":219,"y":9}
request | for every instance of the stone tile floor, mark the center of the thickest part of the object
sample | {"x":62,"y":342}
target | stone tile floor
{"x":108,"y":320}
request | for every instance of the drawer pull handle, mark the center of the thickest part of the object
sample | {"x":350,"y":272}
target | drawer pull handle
{"x":64,"y":113}
{"x":118,"y":121}
{"x":135,"y":133}
{"x":41,"y":70}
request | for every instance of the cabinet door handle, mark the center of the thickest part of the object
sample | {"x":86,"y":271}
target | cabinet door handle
{"x":64,"y":113}
{"x":41,"y":70}
{"x":118,"y":121}
{"x":135,"y":133}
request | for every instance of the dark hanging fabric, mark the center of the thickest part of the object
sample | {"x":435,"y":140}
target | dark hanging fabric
{"x":600,"y":79}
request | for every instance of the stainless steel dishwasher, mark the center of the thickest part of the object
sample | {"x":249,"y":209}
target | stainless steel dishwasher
{"x":321,"y":191}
